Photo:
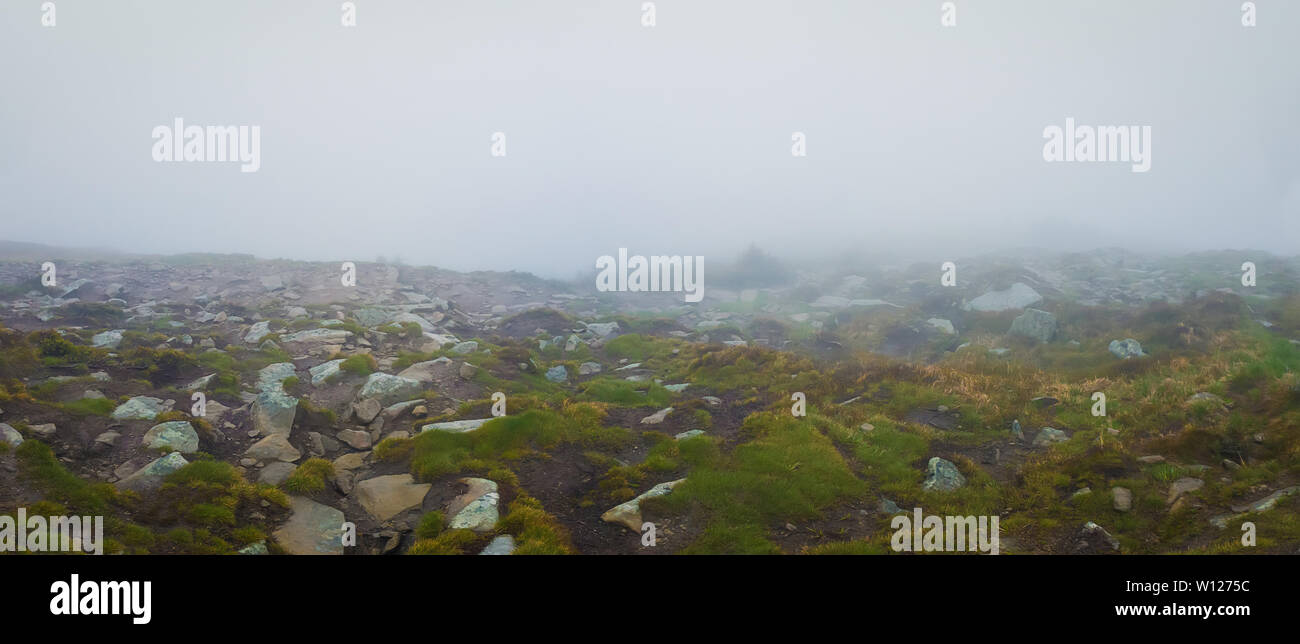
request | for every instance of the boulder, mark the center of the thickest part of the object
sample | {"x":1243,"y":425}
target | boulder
{"x":1128,"y":348}
{"x":273,"y":412}
{"x":10,"y":436}
{"x":150,"y":477}
{"x":257,"y":332}
{"x":366,"y":410}
{"x":1036,"y":324}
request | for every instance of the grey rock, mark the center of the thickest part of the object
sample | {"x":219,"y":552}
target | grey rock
{"x":1126,"y":349}
{"x":141,"y":408}
{"x":1018,"y":296}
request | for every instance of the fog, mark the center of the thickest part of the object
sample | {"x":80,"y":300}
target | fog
{"x":375,"y":140}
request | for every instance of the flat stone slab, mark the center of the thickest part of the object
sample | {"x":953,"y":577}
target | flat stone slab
{"x":385,"y":497}
{"x":456,"y":426}
{"x":312,"y":529}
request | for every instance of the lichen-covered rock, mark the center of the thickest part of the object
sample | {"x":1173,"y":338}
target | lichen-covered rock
{"x":942,"y":475}
{"x":177,"y":435}
{"x":141,"y":408}
{"x":476,"y":509}
{"x":388,"y":389}
{"x":150,"y":477}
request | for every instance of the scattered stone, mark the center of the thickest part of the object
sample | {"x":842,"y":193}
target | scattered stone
{"x":557,"y":374}
{"x":691,"y":433}
{"x":501,"y":545}
{"x":464,"y":348}
{"x":1094,"y":538}
{"x":355,"y":439}
{"x":589,"y":368}
{"x":1050,"y":436}
{"x":1151,"y":460}
{"x":1121,"y":499}
{"x":629,"y":514}
{"x":456,"y":426}
{"x":1183,"y":486}
{"x":657,"y":417}
{"x":44,"y":430}
{"x":366,"y":410}
{"x":275,"y":447}
{"x":275,"y":473}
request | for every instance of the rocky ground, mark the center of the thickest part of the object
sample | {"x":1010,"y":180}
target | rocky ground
{"x":229,"y":404}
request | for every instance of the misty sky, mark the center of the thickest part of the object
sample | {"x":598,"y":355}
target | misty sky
{"x":666,"y":140}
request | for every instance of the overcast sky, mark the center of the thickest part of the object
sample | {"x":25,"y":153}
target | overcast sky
{"x":673,"y":139}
